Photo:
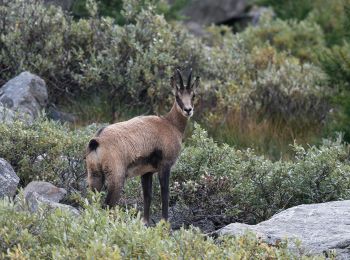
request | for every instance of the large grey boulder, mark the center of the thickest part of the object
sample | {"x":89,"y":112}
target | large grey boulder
{"x":8,"y":179}
{"x":46,"y":190}
{"x":321,"y":228}
{"x":25,"y":94}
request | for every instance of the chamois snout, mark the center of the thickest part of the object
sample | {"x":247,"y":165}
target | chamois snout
{"x":189,"y":111}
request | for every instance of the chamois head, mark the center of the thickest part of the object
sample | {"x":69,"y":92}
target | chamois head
{"x":184,"y":94}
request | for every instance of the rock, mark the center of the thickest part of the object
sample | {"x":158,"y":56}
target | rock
{"x":46,"y":190}
{"x":321,"y":228}
{"x":6,"y":115}
{"x":8,"y":179}
{"x":209,"y":11}
{"x":25,"y":94}
{"x":36,"y":201}
{"x":40,"y":194}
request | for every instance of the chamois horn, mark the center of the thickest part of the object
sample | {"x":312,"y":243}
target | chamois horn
{"x":180,"y":77}
{"x":189,"y":80}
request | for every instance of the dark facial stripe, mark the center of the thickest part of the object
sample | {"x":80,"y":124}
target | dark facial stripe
{"x":179,"y":102}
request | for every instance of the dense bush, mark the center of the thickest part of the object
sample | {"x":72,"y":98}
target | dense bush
{"x":115,"y":234}
{"x":114,"y":8}
{"x":302,"y":39}
{"x":215,"y":182}
{"x":336,"y":62}
{"x":329,"y":15}
{"x":225,"y":184}
{"x":46,"y":150}
{"x":132,"y":63}
{"x":271,"y":99}
{"x":297,"y":9}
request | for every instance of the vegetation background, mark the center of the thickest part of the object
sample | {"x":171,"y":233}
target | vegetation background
{"x":272,"y":118}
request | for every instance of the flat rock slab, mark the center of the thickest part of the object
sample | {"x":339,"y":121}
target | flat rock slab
{"x":321,"y":228}
{"x":8,"y":179}
{"x":25,"y":94}
{"x":46,"y":190}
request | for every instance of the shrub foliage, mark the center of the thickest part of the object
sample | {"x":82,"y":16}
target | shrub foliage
{"x":46,"y":150}
{"x":216,"y":182}
{"x":134,"y":62}
{"x":115,"y":234}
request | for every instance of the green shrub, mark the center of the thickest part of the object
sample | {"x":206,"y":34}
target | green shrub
{"x":114,"y":8}
{"x":132,"y":63}
{"x":271,"y":99}
{"x":337,"y":63}
{"x":46,"y":150}
{"x":115,"y":234}
{"x":225,"y":184}
{"x":297,"y":9}
{"x":331,"y":16}
{"x":216,"y":182}
{"x":300,"y":38}
{"x":97,"y":67}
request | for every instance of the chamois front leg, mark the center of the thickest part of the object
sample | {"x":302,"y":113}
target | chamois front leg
{"x":164,"y":175}
{"x":146,"y":181}
{"x":115,"y":184}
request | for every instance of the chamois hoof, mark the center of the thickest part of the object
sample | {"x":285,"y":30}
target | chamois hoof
{"x":145,"y":222}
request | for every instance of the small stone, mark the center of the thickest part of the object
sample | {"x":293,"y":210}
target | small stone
{"x":35,"y":201}
{"x":46,"y":190}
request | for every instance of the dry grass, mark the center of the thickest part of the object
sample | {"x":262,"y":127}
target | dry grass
{"x":271,"y":137}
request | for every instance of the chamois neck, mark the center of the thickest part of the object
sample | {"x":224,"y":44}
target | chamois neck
{"x":177,"y":119}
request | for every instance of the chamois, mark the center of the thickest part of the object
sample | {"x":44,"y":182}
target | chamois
{"x":141,"y":146}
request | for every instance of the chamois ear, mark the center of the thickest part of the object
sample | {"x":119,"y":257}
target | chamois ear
{"x":195,"y":83}
{"x":174,"y":85}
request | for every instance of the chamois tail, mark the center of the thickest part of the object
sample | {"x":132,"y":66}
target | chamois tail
{"x":91,"y":147}
{"x":93,"y":144}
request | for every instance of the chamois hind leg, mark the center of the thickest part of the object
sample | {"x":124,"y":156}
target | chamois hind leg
{"x":146,"y":181}
{"x":164,"y":175}
{"x":114,"y":182}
